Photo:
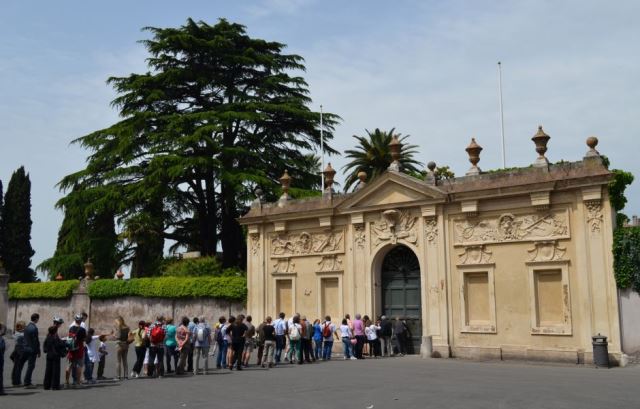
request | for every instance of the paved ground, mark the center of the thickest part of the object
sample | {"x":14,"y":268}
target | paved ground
{"x":407,"y":382}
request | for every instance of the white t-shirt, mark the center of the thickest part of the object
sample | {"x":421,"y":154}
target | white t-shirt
{"x":370,"y":332}
{"x":345,"y":331}
{"x":92,"y":349}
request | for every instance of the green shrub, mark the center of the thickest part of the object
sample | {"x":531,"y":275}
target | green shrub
{"x":50,"y":289}
{"x":626,"y":257}
{"x":231,"y":288}
{"x":193,"y":267}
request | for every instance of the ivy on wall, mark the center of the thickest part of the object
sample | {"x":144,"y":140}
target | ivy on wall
{"x":626,"y":257}
{"x":48,"y":290}
{"x":230,"y":288}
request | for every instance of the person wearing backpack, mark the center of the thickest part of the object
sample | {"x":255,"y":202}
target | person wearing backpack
{"x":295,"y":336}
{"x":221,"y":331}
{"x":156,"y":333}
{"x":328,"y":333}
{"x":75,"y":346}
{"x":202,"y":342}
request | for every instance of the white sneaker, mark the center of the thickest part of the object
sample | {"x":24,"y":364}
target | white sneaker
{"x":353,"y":358}
{"x":133,"y":375}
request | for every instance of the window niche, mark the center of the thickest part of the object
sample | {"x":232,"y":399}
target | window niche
{"x":477,"y":296}
{"x":550,"y":298}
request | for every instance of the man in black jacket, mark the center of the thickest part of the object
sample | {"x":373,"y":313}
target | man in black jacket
{"x":386,"y":331}
{"x":32,"y":350}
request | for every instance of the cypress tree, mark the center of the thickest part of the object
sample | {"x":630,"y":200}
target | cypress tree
{"x":16,"y":228}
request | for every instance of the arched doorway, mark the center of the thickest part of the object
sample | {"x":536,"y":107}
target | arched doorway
{"x":401,"y":293}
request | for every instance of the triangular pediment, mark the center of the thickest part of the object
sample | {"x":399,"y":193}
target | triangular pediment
{"x":393,"y":188}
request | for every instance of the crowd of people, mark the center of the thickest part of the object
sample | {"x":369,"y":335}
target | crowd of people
{"x":163,"y":347}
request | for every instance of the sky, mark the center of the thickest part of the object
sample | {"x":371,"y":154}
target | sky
{"x":427,"y":68}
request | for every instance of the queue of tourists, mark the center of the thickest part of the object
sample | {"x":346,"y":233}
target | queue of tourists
{"x":164,"y":346}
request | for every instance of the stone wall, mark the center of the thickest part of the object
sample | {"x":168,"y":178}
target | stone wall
{"x":630,"y":321}
{"x":102,"y":313}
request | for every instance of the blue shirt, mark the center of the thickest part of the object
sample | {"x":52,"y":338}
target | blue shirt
{"x":317,"y":332}
{"x":206,"y":331}
{"x":170,"y":338}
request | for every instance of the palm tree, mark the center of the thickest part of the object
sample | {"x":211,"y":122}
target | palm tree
{"x":373,"y":156}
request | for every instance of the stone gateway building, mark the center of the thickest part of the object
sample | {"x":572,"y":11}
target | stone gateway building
{"x":511,"y":264}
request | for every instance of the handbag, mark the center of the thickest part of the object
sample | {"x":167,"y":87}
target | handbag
{"x":354,"y":341}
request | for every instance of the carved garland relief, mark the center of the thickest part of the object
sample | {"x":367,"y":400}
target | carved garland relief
{"x":330,"y":263}
{"x":254,"y":243}
{"x":306,"y":243}
{"x":395,"y":225}
{"x":510,"y":228}
{"x":475,"y":255}
{"x":546,"y":251}
{"x":594,"y":215}
{"x":431,"y":229}
{"x":359,"y":236}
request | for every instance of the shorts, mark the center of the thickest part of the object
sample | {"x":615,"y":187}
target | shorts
{"x":76,"y":362}
{"x":250,"y":345}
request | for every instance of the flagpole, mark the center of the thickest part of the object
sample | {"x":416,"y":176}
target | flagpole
{"x":504,"y":162}
{"x":322,"y":148}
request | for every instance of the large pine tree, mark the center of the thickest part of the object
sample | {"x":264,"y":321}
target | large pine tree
{"x":218,"y":113}
{"x":16,"y":228}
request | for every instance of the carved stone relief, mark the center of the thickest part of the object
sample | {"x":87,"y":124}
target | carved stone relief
{"x":508,"y":228}
{"x":284,"y":266}
{"x":359,"y":236}
{"x":475,"y":255}
{"x":548,"y":250}
{"x":306,"y":243}
{"x":330,"y":263}
{"x":431,"y":229}
{"x":395,"y":225}
{"x":254,"y":243}
{"x":594,"y":215}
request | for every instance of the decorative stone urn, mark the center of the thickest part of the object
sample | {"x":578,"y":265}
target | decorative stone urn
{"x":474,"y":157}
{"x":541,"y":139}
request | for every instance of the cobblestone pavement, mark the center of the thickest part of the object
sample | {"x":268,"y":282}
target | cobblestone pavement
{"x":406,"y":382}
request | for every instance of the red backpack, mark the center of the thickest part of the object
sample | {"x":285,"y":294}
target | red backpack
{"x":157,"y":334}
{"x":326,"y":330}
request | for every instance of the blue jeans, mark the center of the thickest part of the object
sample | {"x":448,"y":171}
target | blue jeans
{"x":221,"y":359}
{"x":88,"y":368}
{"x":280,"y":344}
{"x":346,"y":343}
{"x":318,"y":351}
{"x":326,"y":350}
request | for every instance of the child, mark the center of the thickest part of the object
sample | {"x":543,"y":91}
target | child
{"x":91,"y":356}
{"x":56,"y":349}
{"x":102,"y":352}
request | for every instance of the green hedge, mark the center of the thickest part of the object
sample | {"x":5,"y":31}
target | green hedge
{"x":50,"y":290}
{"x":231,"y":288}
{"x":626,"y":257}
